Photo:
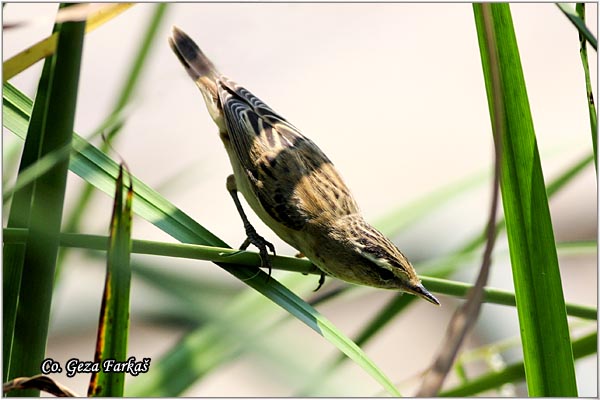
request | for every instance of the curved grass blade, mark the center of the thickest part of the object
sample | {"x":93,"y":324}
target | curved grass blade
{"x":540,"y":301}
{"x":96,"y":168}
{"x":113,"y":327}
{"x":29,"y":274}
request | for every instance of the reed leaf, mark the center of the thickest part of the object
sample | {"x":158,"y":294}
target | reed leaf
{"x":540,"y":302}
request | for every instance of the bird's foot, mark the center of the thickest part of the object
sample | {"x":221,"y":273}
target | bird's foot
{"x":262,"y":244}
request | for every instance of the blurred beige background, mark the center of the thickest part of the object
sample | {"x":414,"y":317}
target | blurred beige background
{"x":394,"y":95}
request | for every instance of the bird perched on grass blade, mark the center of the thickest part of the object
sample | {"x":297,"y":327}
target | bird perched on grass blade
{"x":292,"y":186}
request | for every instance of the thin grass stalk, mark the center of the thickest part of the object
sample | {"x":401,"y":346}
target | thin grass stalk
{"x":580,"y":9}
{"x":239,"y":258}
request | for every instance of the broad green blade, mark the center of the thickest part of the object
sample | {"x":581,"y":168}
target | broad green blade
{"x":540,"y":302}
{"x":113,"y":327}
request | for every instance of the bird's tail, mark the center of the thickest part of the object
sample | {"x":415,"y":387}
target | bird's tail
{"x":201,"y":70}
{"x":189,"y":54}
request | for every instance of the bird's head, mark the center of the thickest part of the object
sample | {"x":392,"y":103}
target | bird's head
{"x":382,"y":264}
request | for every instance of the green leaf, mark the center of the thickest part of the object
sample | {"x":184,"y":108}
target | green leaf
{"x":540,"y":302}
{"x":113,"y":327}
{"x":29,"y":269}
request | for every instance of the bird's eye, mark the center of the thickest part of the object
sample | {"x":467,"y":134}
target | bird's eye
{"x":386,"y":274}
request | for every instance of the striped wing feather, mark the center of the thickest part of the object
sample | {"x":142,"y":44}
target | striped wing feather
{"x":293,"y":179}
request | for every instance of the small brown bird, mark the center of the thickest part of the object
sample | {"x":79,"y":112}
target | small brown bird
{"x":292,"y":186}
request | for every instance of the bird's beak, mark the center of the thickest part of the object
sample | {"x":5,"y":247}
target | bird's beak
{"x":419,"y":290}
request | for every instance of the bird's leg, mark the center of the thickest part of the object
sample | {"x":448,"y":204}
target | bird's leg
{"x":252,"y":237}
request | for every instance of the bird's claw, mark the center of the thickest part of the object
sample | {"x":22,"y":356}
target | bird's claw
{"x":262,"y":244}
{"x":321,"y":281}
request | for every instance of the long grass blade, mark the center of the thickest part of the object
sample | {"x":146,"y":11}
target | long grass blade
{"x":28,"y":279}
{"x":113,"y":327}
{"x":540,"y":301}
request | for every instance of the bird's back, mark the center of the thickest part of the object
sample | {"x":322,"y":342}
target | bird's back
{"x":291,"y":177}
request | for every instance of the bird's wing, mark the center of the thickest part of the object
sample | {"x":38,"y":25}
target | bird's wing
{"x":292,"y":178}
